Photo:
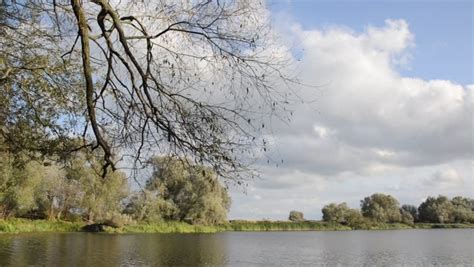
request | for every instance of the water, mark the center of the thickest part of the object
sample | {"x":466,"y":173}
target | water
{"x":453,"y":247}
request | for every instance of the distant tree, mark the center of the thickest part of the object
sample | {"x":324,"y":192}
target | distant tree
{"x":354,"y":219}
{"x":381,"y":208}
{"x":341,"y":213}
{"x":194,"y":191}
{"x":436,"y":210}
{"x":406,"y":217}
{"x":412,"y":210}
{"x":463,"y":202}
{"x":296,"y":216}
{"x":463,"y":209}
{"x":336,"y":212}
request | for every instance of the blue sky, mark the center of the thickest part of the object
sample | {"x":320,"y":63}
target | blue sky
{"x":443,"y":29}
{"x":376,"y":125}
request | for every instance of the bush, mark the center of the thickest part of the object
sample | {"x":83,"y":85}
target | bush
{"x":296,"y":216}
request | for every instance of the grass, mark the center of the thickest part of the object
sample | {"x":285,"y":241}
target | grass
{"x":164,"y":227}
{"x":442,"y":225}
{"x":240,"y":225}
{"x":27,"y":226}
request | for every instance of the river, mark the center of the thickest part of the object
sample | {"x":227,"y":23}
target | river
{"x":446,"y":247}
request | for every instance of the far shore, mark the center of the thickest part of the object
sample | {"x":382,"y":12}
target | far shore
{"x":35,"y":226}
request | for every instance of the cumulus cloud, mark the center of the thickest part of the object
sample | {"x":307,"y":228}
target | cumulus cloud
{"x":445,"y":178}
{"x":370,"y":128}
{"x":367,"y":114}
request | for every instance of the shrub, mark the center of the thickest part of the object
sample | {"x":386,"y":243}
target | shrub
{"x":296,"y":216}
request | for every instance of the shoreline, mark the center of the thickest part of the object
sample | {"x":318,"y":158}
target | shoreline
{"x":16,"y":226}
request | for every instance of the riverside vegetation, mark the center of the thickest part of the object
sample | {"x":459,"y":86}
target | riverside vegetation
{"x":180,"y":197}
{"x":66,"y":122}
{"x":66,"y":193}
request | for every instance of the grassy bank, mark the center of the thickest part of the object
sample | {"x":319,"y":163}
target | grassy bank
{"x":442,"y":225}
{"x":165,"y":227}
{"x":242,"y":225}
{"x":28,"y":226}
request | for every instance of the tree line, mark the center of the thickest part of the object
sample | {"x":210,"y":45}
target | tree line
{"x":382,"y":208}
{"x":73,"y":189}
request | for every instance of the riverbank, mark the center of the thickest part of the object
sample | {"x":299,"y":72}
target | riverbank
{"x":30,"y":226}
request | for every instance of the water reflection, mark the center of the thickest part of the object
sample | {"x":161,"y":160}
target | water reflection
{"x":408,"y":247}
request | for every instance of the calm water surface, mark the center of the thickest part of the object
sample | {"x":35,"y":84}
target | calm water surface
{"x":453,"y":247}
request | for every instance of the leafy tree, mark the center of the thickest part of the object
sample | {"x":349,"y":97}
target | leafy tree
{"x":41,"y":102}
{"x":341,"y":213}
{"x":100,"y":197}
{"x":175,"y":77}
{"x":296,"y":216}
{"x":336,"y":212}
{"x":412,"y":210}
{"x":406,"y":217}
{"x":7,"y":181}
{"x":149,"y":206}
{"x":381,"y":208}
{"x":354,"y":219}
{"x":44,"y":189}
{"x":436,"y":210}
{"x":463,"y":210}
{"x":194,"y":191}
{"x":463,"y":202}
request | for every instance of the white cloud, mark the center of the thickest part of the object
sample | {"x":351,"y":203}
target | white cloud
{"x":370,"y":130}
{"x":445,"y":178}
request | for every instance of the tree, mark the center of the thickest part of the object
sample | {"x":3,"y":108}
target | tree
{"x":463,"y":211}
{"x":296,"y":216}
{"x":62,"y":189}
{"x":406,"y":217}
{"x":412,"y":210}
{"x":335,"y":212}
{"x":341,"y":213}
{"x":41,"y":102}
{"x":149,"y":206}
{"x":354,"y":219}
{"x":193,"y":191}
{"x":100,"y":198}
{"x":381,"y":208}
{"x":436,"y":210}
{"x":183,"y":78}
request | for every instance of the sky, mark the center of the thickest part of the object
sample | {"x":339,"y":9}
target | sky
{"x":390,"y":112}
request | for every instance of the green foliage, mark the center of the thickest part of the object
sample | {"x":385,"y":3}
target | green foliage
{"x":192,"y":193}
{"x":336,"y":213}
{"x":436,"y":210}
{"x":296,"y":216}
{"x":26,"y":226}
{"x":412,"y":210}
{"x":100,"y":197}
{"x":44,"y":189}
{"x":149,"y":206}
{"x":407,"y":218}
{"x":165,"y":227}
{"x":381,"y":208}
{"x":443,"y":210}
{"x":241,"y":225}
{"x":342,"y":214}
{"x":42,"y":94}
